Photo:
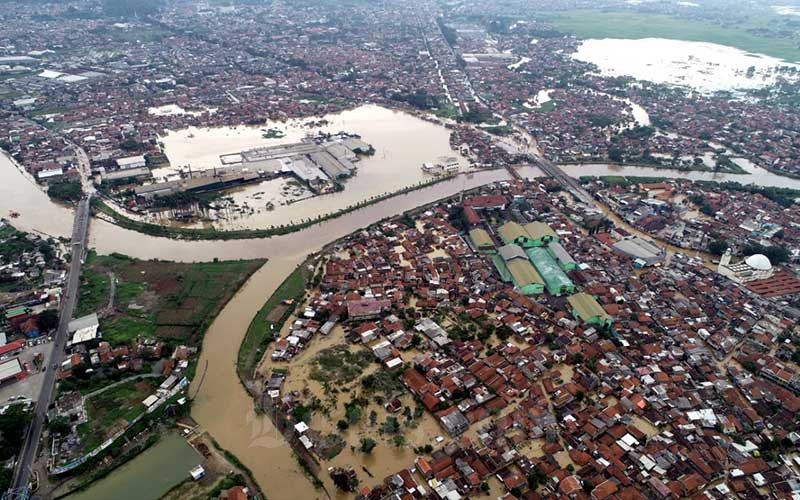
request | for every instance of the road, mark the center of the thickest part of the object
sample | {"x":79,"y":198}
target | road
{"x":80,"y":232}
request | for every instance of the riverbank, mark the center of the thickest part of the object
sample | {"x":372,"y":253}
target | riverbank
{"x":731,"y":169}
{"x":100,"y":207}
{"x":270,"y":318}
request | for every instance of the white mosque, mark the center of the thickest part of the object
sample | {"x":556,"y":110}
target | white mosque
{"x":754,"y":267}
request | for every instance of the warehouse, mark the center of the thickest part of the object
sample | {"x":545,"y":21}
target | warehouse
{"x":557,"y":282}
{"x":513,"y":266}
{"x":587,"y":309}
{"x":638,"y":248}
{"x":540,"y":233}
{"x":131,"y":162}
{"x":561,"y":256}
{"x":11,"y":369}
{"x":513,"y":233}
{"x":482,"y":241}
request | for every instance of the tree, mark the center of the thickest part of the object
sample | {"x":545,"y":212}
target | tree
{"x":48,"y":320}
{"x":60,"y":425}
{"x":717,"y":247}
{"x":367,"y":445}
{"x":615,"y":155}
{"x":399,"y":440}
{"x":67,"y":191}
{"x":353,"y":414}
{"x":12,"y":429}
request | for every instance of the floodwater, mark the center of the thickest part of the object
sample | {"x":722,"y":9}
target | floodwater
{"x":174,"y":110}
{"x":522,"y":60}
{"x":148,"y":476}
{"x":756,"y":175}
{"x":222,"y":406}
{"x":706,"y":67}
{"x":399,"y":155}
{"x":37,"y":213}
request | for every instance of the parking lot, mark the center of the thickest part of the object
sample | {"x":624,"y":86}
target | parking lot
{"x":28,"y":387}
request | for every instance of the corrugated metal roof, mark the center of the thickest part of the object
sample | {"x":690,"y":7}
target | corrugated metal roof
{"x":481,"y":238}
{"x":553,"y":276}
{"x":586,"y":306}
{"x":538,"y":230}
{"x":510,"y":231}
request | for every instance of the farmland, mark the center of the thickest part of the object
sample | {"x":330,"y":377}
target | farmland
{"x":174,"y":302}
{"x":752,"y":36}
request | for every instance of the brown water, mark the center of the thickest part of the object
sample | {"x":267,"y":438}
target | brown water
{"x":222,"y":406}
{"x":399,"y":155}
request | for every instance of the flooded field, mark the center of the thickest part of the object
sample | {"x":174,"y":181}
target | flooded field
{"x":399,"y":155}
{"x":148,"y":476}
{"x":707,"y":67}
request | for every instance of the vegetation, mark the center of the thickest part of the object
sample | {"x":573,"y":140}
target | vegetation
{"x":775,"y":254}
{"x":387,"y":382}
{"x":635,"y":25}
{"x":784,"y":197}
{"x":717,"y":247}
{"x":339,"y":364}
{"x":13,"y":424}
{"x":269,"y":319}
{"x":172,"y":301}
{"x":367,"y":445}
{"x":113,"y":410}
{"x":66,"y":191}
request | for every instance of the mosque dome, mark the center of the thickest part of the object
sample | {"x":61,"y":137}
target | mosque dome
{"x":759,"y":261}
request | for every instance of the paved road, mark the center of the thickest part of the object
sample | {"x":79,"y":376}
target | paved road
{"x":80,"y":231}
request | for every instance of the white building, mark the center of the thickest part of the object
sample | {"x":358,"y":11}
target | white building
{"x":754,"y":267}
{"x":131,"y":162}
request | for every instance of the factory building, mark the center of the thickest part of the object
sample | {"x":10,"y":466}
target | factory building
{"x":587,"y":309}
{"x":642,"y":251}
{"x":554,"y":278}
{"x":514,"y":266}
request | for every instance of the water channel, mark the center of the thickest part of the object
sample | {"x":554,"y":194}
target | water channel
{"x":148,"y":476}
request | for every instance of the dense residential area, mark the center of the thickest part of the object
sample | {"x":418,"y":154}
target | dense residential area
{"x":672,"y":374}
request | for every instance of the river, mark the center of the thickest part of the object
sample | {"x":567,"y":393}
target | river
{"x":149,"y":475}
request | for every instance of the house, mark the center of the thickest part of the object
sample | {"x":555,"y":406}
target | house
{"x":358,"y":310}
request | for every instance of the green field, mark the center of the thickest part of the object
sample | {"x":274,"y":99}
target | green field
{"x":171,"y":301}
{"x":634,"y":25}
{"x":112,"y":410}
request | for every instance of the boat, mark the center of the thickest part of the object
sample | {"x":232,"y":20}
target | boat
{"x":14,"y":214}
